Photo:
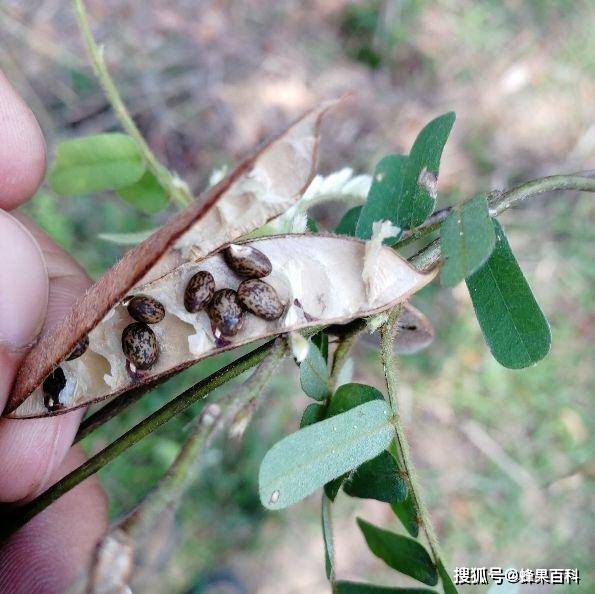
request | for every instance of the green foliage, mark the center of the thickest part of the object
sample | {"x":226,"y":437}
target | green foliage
{"x":420,"y":177}
{"x":383,"y":197}
{"x":447,"y":585}
{"x":512,"y":323}
{"x":327,"y":536}
{"x":400,"y":552}
{"x":146,"y":194}
{"x":359,"y":588}
{"x":378,"y":479}
{"x":314,"y":374}
{"x":467,"y":240}
{"x":406,"y":512}
{"x":94,"y":163}
{"x":347,"y":225}
{"x":349,"y":396}
{"x":304,"y":461}
{"x":313,"y":413}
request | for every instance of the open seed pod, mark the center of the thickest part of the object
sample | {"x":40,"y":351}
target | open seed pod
{"x":260,"y":188}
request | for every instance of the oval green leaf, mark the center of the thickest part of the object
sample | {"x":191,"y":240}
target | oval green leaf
{"x":347,"y":225}
{"x":447,"y":583}
{"x":467,"y":240}
{"x":379,"y":479}
{"x":383,"y":197}
{"x":304,"y":461}
{"x":314,"y":374}
{"x":360,"y":588}
{"x":313,"y":413}
{"x":400,"y":552}
{"x":327,"y":536}
{"x":405,"y":511}
{"x":513,"y":325}
{"x":420,"y":177}
{"x":349,"y":396}
{"x":95,"y":163}
{"x":146,"y":194}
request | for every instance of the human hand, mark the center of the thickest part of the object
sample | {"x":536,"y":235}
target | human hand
{"x":38,"y":284}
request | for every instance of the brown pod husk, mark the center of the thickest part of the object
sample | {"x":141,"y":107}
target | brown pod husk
{"x":145,"y":309}
{"x":260,"y":188}
{"x":79,"y":349}
{"x":259,"y":298}
{"x":319,"y":277}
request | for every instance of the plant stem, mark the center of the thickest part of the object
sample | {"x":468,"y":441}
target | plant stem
{"x":133,"y":436}
{"x":176,"y":189}
{"x":388,"y":332}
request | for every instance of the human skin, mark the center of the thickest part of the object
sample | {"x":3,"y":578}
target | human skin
{"x":38,"y":284}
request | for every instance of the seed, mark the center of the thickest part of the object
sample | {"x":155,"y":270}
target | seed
{"x":146,"y":309}
{"x":79,"y":349}
{"x":225,"y":312}
{"x":139,"y":344}
{"x":245,"y":260}
{"x":260,"y":298}
{"x":199,"y":291}
{"x":53,"y":384}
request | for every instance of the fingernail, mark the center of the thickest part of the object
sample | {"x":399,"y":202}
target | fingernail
{"x":23,"y":285}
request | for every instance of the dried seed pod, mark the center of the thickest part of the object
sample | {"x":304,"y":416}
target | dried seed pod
{"x":139,"y":344}
{"x":79,"y":349}
{"x":225,"y":312}
{"x":199,"y":291}
{"x":260,"y":298}
{"x":52,"y":386}
{"x":146,"y":309}
{"x":246,"y":260}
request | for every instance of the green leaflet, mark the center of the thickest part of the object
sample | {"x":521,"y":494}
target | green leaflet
{"x":327,"y":536}
{"x":349,"y":396}
{"x":377,"y":479}
{"x":94,"y":163}
{"x":146,"y":194}
{"x":321,"y":341}
{"x":400,"y":552}
{"x":305,"y":460}
{"x":420,"y":177}
{"x":314,"y":374}
{"x":512,"y":323}
{"x":467,"y":240}
{"x":359,"y":588}
{"x":333,"y":487}
{"x":312,"y":414}
{"x":348,"y":223}
{"x":447,"y":584}
{"x":383,"y":197}
{"x":405,"y":511}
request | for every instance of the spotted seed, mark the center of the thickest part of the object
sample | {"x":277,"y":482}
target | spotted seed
{"x":199,"y":291}
{"x":260,"y":298}
{"x":139,"y":345}
{"x":247,"y":261}
{"x":79,"y":349}
{"x":53,"y":384}
{"x":225,"y":312}
{"x":145,"y":309}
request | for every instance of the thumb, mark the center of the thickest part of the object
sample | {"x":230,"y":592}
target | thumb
{"x":24,"y":288}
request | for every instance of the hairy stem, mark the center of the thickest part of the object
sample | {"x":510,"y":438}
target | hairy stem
{"x":388,"y":332}
{"x":133,"y":436}
{"x":177,"y":190}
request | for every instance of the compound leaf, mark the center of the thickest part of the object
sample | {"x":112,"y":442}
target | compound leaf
{"x":400,"y":552}
{"x":420,"y":178}
{"x":305,"y":460}
{"x":146,"y":194}
{"x":93,"y":163}
{"x":511,"y":320}
{"x":467,"y":240}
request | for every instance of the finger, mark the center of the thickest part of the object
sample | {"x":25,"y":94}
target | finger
{"x":22,"y":150}
{"x":32,"y":449}
{"x":49,"y":552}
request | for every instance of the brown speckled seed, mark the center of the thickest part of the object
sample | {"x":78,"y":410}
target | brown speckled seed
{"x":225,"y":312}
{"x":145,"y":309}
{"x":260,"y":298}
{"x":139,"y":344}
{"x":245,"y":260}
{"x":53,"y":384}
{"x":79,"y":349}
{"x":199,"y":291}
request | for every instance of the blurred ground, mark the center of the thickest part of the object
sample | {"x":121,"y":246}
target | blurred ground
{"x":505,"y":457}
